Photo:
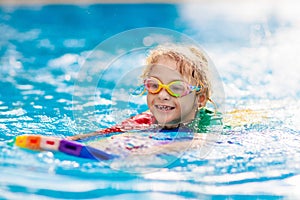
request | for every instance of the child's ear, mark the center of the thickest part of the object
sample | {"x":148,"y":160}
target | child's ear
{"x":202,"y":100}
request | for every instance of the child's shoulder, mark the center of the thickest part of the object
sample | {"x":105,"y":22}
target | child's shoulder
{"x":206,"y":117}
{"x":208,"y":113}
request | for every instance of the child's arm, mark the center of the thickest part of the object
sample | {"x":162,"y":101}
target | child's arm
{"x":113,"y":129}
{"x":138,"y":122}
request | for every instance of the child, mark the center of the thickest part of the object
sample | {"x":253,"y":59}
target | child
{"x":176,"y":79}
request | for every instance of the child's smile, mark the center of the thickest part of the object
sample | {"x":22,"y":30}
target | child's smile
{"x":164,"y":108}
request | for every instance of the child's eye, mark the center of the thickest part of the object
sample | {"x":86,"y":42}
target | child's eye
{"x":178,"y":88}
{"x":153,"y":86}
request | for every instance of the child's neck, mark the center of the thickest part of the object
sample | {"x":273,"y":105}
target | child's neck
{"x":170,"y":126}
{"x":174,"y":126}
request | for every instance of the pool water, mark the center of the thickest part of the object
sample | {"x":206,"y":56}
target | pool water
{"x":255,"y":50}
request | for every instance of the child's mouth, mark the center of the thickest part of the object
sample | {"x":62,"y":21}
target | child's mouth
{"x":164,"y":108}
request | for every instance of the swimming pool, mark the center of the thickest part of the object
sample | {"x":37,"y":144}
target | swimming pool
{"x":254,"y":49}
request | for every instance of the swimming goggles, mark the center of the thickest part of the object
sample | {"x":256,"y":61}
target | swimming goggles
{"x":174,"y":88}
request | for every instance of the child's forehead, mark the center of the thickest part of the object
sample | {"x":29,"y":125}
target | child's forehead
{"x":165,"y":72}
{"x":171,"y":66}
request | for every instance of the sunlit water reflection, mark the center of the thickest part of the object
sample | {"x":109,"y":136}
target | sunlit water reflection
{"x":254,"y":48}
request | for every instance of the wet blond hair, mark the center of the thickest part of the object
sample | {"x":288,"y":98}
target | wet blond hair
{"x":192,"y":64}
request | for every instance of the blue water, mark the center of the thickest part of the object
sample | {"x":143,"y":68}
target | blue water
{"x":254,"y":48}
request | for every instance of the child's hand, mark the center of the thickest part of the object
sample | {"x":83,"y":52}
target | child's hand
{"x":74,"y":137}
{"x":81,"y":136}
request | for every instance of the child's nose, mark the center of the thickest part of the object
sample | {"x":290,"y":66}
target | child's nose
{"x":163,"y":94}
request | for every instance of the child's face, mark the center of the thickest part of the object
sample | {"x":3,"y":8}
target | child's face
{"x":169,"y":110}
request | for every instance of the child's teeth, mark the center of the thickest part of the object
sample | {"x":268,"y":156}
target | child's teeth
{"x":164,"y":107}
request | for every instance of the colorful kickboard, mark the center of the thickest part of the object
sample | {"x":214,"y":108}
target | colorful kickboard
{"x":105,"y":148}
{"x":39,"y":142}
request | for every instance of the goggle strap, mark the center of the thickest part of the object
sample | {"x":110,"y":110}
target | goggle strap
{"x":195,"y":88}
{"x":139,"y":91}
